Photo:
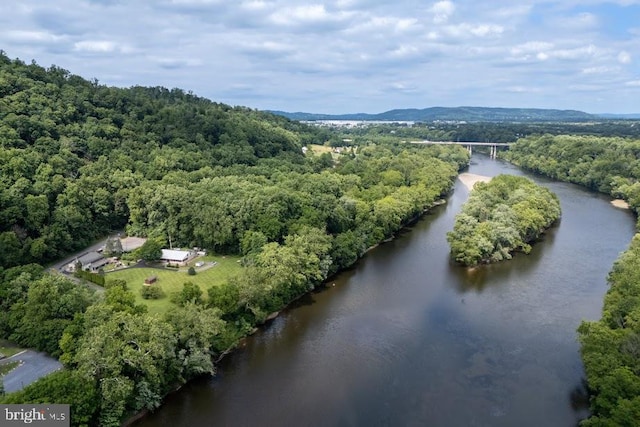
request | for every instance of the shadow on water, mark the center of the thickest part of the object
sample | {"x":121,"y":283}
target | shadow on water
{"x":579,"y":400}
{"x":579,"y":397}
{"x":478,"y":279}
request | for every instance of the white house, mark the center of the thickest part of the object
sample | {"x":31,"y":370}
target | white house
{"x":175,"y":256}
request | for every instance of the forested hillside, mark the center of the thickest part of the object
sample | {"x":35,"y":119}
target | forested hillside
{"x":610,"y":347}
{"x":501,"y":217}
{"x":72,"y":150}
{"x":79,"y":159}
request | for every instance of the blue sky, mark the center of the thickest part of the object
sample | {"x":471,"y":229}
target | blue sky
{"x":345,"y":56}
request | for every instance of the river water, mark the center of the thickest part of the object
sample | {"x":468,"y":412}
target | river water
{"x":406,"y":338}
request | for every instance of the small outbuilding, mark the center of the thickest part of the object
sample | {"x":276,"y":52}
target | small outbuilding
{"x":150,"y":280}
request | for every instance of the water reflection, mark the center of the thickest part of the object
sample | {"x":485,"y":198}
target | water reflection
{"x":477,"y":279}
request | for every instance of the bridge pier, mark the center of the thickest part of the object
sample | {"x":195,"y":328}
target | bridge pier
{"x":493,"y":146}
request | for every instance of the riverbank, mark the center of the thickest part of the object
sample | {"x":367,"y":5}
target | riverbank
{"x":621,"y":204}
{"x":404,"y":323}
{"x":328,"y":282}
{"x":470,"y":179}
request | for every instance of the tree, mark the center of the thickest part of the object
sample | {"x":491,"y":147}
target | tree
{"x":151,"y":250}
{"x":190,"y":293}
{"x":64,"y":386}
{"x":113,"y":247}
{"x":501,"y":217}
{"x":49,"y":308}
{"x":153,"y":291}
{"x":196,"y":328}
{"x":226,"y":298}
{"x":132,"y":358}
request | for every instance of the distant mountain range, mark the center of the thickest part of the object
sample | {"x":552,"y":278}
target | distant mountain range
{"x":468,"y":114}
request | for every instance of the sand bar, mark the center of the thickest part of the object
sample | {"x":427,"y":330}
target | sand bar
{"x":619,"y":203}
{"x":470,"y":179}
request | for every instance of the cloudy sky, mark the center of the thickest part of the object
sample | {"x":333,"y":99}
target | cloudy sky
{"x":345,"y":56}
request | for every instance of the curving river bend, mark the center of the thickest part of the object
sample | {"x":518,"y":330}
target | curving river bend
{"x":406,"y":338}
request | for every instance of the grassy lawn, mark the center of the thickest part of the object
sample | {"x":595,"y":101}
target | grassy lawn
{"x":8,"y":349}
{"x":171,"y":280}
{"x":319,"y":149}
{"x":5,"y":368}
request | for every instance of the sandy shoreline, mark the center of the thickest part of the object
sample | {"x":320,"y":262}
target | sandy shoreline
{"x":470,"y":179}
{"x":619,"y":203}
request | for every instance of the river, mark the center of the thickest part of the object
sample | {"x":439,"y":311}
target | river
{"x":406,"y":338}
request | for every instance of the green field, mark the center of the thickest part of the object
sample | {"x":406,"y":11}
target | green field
{"x":319,"y":149}
{"x":171,"y":280}
{"x":8,"y":349}
{"x":5,"y":368}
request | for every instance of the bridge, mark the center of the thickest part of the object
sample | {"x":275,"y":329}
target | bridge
{"x":493,"y":152}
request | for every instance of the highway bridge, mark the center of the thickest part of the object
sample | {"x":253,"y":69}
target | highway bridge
{"x":469,"y":145}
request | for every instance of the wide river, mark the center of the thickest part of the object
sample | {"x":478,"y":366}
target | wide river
{"x":406,"y":338}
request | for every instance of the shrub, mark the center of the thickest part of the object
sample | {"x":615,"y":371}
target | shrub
{"x":151,"y":292}
{"x":191,"y":271}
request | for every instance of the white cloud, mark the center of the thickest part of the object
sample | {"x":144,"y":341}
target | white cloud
{"x":33,"y":36}
{"x":602,"y":69}
{"x":531,"y":47}
{"x":403,"y":87}
{"x":575,"y":53}
{"x":624,"y":57}
{"x":586,"y":87}
{"x":581,"y":21}
{"x":100,"y":46}
{"x":512,"y":12}
{"x":303,"y":14}
{"x":442,"y":10}
{"x":523,"y":89}
{"x":377,"y":25}
{"x":634,"y":83}
{"x":194,"y":2}
{"x":255,"y":5}
{"x":546,"y":50}
{"x":405,"y":51}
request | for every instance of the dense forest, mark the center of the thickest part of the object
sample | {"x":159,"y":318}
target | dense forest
{"x":79,"y":159}
{"x":610,"y":347}
{"x":72,"y":150}
{"x":501,"y":217}
{"x":605,"y":164}
{"x":475,"y":132}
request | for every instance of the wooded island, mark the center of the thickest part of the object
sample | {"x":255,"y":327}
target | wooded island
{"x":501,"y":217}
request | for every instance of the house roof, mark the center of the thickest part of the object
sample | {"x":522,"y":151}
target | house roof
{"x":90,"y":257}
{"x":174,"y":255}
{"x":97,"y":263}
